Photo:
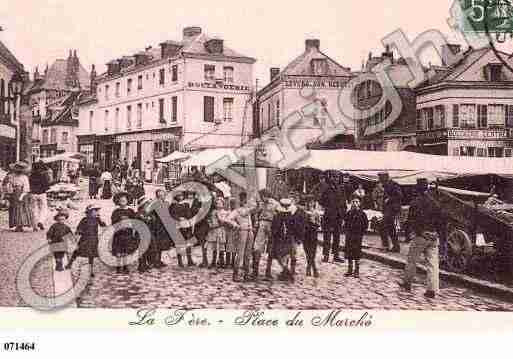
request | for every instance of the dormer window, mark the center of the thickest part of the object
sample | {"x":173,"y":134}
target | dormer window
{"x":493,"y":72}
{"x":319,"y":66}
{"x":210,"y":73}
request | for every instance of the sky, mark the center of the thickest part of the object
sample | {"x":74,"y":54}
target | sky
{"x":273,"y":32}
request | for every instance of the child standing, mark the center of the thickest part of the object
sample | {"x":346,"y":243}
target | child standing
{"x":123,"y":238}
{"x":56,"y":237}
{"x":87,"y":229}
{"x":356,"y":224}
{"x":216,"y":238}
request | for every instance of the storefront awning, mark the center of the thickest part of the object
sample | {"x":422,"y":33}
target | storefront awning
{"x":211,"y":157}
{"x":175,"y":156}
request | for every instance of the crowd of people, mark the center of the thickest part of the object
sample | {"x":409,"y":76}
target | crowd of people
{"x":237,"y":234}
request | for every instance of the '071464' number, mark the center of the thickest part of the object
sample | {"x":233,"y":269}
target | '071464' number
{"x":12,"y":346}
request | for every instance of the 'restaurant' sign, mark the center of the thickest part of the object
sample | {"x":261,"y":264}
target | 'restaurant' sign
{"x":218,"y":85}
{"x":300,"y":83}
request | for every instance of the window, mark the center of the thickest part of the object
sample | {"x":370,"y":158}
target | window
{"x":495,"y":152}
{"x":106,"y":120}
{"x":508,"y":152}
{"x":467,"y":151}
{"x":439,"y":117}
{"x":208,"y":109}
{"x":481,"y":152}
{"x":118,"y":87}
{"x":174,"y":108}
{"x":129,"y":117}
{"x":65,"y":137}
{"x":468,"y":116}
{"x":129,"y":86}
{"x":278,"y":112}
{"x":429,"y":118}
{"x":269,"y":115}
{"x":495,"y":72}
{"x":455,"y":116}
{"x":509,"y":115}
{"x":161,"y":110}
{"x":227,"y":108}
{"x":116,"y":120}
{"x":139,"y":115}
{"x":419,"y":120}
{"x":319,"y":66}
{"x":496,"y":116}
{"x":174,"y":73}
{"x":482,"y":116}
{"x":162,"y":76}
{"x":228,"y":74}
{"x":210,"y":73}
{"x":139,"y":82}
{"x":45,"y":137}
{"x":91,"y":116}
{"x":106,"y":92}
{"x":53,"y":135}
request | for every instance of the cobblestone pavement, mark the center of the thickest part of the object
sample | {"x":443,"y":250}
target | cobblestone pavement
{"x":173,"y":287}
{"x":14,"y":248}
{"x":195,"y":288}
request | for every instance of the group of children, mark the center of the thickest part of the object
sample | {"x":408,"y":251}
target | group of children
{"x":236,"y":234}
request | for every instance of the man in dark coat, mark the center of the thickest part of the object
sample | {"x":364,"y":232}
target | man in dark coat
{"x":39,"y":184}
{"x":180,"y":211}
{"x":428,"y":223}
{"x":288,"y":230}
{"x":333,"y":203}
{"x":124,"y":170}
{"x":391,"y":209}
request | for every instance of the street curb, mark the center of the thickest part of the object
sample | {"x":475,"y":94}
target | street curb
{"x":482,"y":286}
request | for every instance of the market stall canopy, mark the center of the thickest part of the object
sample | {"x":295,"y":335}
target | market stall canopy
{"x":404,"y":178}
{"x":353,"y":160}
{"x":67,"y":157}
{"x":212,"y":156}
{"x":175,"y":156}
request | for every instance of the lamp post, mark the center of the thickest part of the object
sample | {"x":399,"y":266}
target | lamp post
{"x":17,"y":91}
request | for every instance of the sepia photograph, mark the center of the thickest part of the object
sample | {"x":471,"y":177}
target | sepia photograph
{"x":257,"y":157}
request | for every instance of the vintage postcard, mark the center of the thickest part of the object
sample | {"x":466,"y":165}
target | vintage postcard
{"x":276,"y":165}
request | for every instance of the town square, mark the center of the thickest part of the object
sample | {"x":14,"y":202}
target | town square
{"x":186,"y":173}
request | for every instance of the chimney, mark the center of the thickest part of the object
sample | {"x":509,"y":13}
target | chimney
{"x":215,"y":46}
{"x":113,"y":67}
{"x":93,"y":79}
{"x":191,"y":32}
{"x":275,"y":71}
{"x":312,"y":44}
{"x":141,"y":58}
{"x":388,"y":54}
{"x":37,"y":76}
{"x":169,"y":49}
{"x":449,"y":51}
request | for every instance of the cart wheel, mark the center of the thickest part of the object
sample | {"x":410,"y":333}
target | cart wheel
{"x":459,"y":251}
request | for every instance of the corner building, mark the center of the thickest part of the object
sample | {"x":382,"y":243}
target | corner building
{"x":184,"y":95}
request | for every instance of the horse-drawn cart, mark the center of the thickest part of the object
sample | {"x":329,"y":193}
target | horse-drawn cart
{"x":473,"y":226}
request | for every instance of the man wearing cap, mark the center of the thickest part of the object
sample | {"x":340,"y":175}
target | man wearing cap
{"x":427,"y":221}
{"x":266,"y":210}
{"x":391,"y":208}
{"x":334,"y":205}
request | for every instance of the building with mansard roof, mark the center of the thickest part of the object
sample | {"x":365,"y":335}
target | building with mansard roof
{"x":186,"y":95}
{"x":305,"y":94}
{"x":380,"y":129}
{"x":466,"y":108}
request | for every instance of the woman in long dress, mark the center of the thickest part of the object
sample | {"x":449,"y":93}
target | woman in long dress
{"x":21,"y":197}
{"x":107,"y":185}
{"x":94,"y":176}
